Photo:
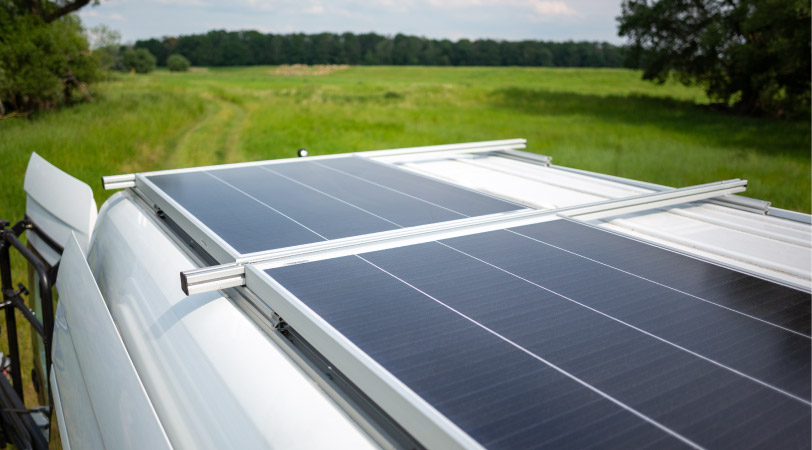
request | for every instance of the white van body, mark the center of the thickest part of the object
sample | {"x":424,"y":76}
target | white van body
{"x":137,"y":363}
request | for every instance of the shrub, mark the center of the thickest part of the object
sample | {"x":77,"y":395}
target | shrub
{"x":43,"y":63}
{"x":177,"y":63}
{"x":139,"y":60}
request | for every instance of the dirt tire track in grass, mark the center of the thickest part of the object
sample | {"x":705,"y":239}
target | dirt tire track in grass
{"x":215,"y":138}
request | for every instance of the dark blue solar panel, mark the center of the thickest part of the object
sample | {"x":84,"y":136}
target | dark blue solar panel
{"x":449,"y":196}
{"x":487,"y":327}
{"x":258,"y":208}
{"x":241,"y":221}
{"x":501,"y":396}
{"x":754,"y":296}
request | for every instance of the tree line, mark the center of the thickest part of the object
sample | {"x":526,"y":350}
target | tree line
{"x":245,"y":48}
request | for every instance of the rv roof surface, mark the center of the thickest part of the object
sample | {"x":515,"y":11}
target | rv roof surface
{"x":520,"y":330}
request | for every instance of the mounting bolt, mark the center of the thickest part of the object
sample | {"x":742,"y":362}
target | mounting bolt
{"x":302,"y":152}
{"x":23,"y":289}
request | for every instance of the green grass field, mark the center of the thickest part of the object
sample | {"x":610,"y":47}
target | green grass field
{"x":602,"y":120}
{"x":607,"y":121}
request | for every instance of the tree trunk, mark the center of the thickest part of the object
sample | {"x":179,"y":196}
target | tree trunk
{"x":749,"y":103}
{"x":65,"y":9}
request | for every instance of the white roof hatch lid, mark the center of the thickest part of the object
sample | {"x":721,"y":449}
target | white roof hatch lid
{"x":58,"y":203}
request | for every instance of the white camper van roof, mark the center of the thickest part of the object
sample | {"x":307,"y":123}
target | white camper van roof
{"x":478,"y":295}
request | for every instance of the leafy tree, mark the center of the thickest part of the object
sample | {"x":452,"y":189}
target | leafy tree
{"x":104,"y":43}
{"x":44,"y":55}
{"x":156,"y":48}
{"x":177,"y":63}
{"x":139,"y":60}
{"x":43,"y":64}
{"x":754,"y":54}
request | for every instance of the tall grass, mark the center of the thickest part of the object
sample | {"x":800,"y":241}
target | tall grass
{"x":604,"y":120}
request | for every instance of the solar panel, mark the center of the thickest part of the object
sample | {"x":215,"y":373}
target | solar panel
{"x":262,"y":207}
{"x":559,"y":334}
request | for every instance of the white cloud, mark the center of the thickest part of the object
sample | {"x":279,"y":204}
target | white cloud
{"x":391,"y":5}
{"x":116,"y":16}
{"x":552,"y":8}
{"x":540,"y":9}
{"x":315,"y":9}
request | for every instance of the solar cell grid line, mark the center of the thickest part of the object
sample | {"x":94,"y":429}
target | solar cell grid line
{"x":753,"y":355}
{"x":789,"y":308}
{"x":719,"y":395}
{"x":329,"y":287}
{"x":768,"y":354}
{"x":755,"y":378}
{"x":661,"y":284}
{"x":324,"y":215}
{"x":455,"y":198}
{"x":308,"y":203}
{"x":230,"y":214}
{"x":405,"y":212}
{"x":643,"y":331}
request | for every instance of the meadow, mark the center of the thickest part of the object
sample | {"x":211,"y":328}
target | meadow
{"x":604,"y":120}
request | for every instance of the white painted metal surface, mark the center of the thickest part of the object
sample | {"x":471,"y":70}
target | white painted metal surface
{"x":77,"y":423}
{"x":120,"y":406}
{"x":59,"y":204}
{"x":59,"y":415}
{"x":735,"y":233}
{"x":216,"y":379}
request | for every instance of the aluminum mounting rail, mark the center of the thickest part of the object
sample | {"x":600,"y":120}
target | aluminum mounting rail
{"x":734,"y":201}
{"x":233,"y":274}
{"x":118,"y":181}
{"x":506,"y":145}
{"x":469,"y":147}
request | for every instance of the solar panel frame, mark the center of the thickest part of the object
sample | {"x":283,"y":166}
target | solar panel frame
{"x":203,"y":237}
{"x":506,"y":145}
{"x":409,"y":407}
{"x":218,"y":248}
{"x":411,"y":411}
{"x":342,"y":350}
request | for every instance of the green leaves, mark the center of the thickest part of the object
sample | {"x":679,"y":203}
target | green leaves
{"x":753,"y":54}
{"x":177,"y":63}
{"x":42,"y":63}
{"x":138,"y":60}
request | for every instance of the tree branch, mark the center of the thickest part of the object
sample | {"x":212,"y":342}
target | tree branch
{"x":65,"y":9}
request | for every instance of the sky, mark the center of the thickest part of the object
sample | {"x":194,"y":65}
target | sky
{"x":549,"y":20}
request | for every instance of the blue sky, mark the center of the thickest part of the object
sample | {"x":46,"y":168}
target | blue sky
{"x":556,"y":20}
